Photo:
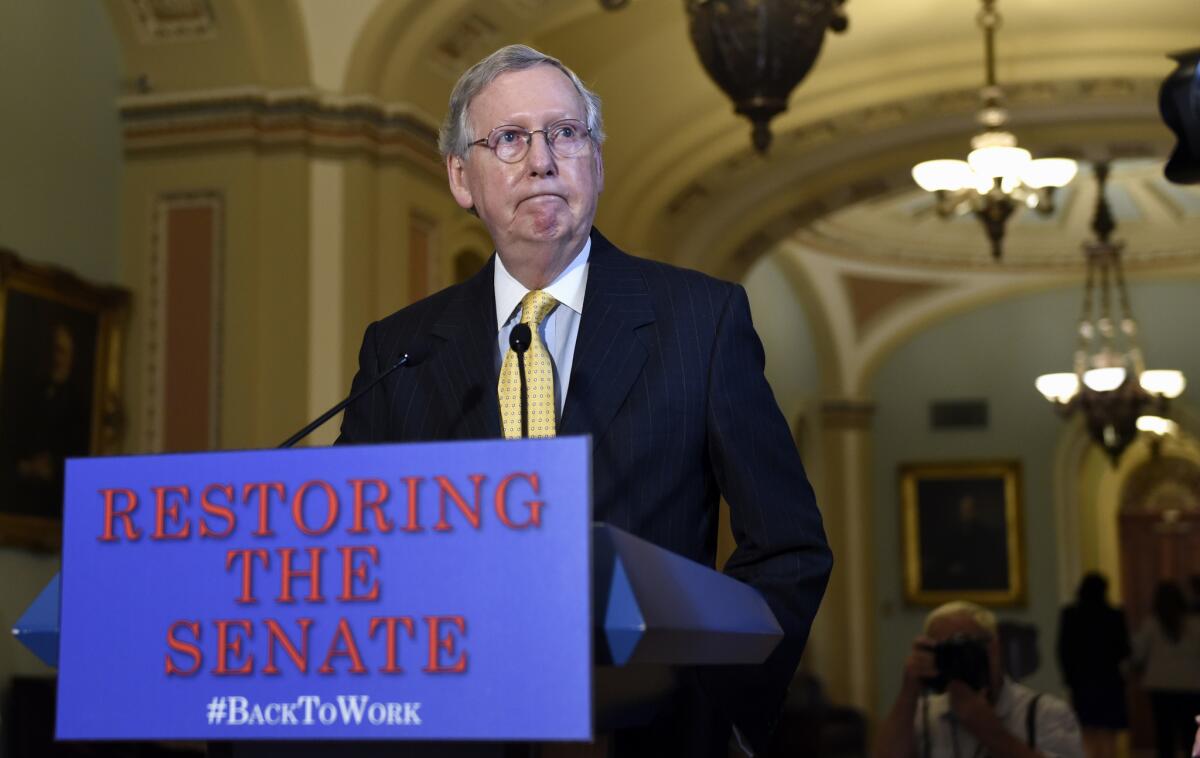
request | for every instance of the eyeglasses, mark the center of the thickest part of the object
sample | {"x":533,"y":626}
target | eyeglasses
{"x":511,"y":143}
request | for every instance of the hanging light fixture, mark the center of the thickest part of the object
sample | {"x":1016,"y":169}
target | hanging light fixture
{"x":1110,"y":385}
{"x":757,"y":51}
{"x":998,"y":176}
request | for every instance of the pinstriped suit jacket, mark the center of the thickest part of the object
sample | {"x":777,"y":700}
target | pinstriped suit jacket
{"x":668,"y":380}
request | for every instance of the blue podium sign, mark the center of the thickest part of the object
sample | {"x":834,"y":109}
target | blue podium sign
{"x":426,"y":592}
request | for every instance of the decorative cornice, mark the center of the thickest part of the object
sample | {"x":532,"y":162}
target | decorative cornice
{"x":172,"y":20}
{"x":260,"y":118}
{"x":1161,"y":485}
{"x":936,"y":115}
{"x":946,"y":105}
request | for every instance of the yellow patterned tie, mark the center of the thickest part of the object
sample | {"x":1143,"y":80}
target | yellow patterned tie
{"x":539,"y":375}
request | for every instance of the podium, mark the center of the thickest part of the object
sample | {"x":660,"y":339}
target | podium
{"x":651,"y":612}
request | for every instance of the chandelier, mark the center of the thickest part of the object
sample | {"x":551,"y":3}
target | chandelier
{"x":757,"y":51}
{"x":997,"y":177}
{"x":1110,"y":385}
{"x":1179,"y":102}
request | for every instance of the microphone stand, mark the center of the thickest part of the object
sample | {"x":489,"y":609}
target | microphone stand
{"x":404,"y":360}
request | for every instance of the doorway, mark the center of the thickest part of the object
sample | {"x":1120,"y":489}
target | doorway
{"x":1159,"y":538}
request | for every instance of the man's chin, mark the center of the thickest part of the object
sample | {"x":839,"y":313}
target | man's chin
{"x":547,"y":230}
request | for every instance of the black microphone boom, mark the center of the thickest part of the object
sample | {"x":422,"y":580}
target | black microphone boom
{"x":519,"y":340}
{"x":419,"y":352}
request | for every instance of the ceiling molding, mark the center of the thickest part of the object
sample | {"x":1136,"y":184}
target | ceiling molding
{"x":298,"y":118}
{"x":165,"y":21}
{"x":872,"y":298}
{"x":728,"y":216}
{"x":956,"y":107}
{"x":1158,"y":223}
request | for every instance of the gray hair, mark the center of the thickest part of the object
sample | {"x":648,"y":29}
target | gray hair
{"x":977,"y":613}
{"x":454,"y":139}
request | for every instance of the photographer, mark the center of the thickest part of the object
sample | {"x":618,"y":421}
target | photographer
{"x":956,"y":702}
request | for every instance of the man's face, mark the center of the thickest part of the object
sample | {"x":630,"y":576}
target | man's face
{"x":542,"y":198}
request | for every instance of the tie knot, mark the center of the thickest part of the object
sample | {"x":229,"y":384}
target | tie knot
{"x":535,"y":305}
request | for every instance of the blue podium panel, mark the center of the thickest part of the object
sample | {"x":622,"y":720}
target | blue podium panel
{"x":424,"y":592}
{"x":656,"y":607}
{"x":37,"y":628}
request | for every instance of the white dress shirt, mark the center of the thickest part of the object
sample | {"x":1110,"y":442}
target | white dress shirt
{"x":1056,"y":730}
{"x":1168,"y":664}
{"x":558,"y":330}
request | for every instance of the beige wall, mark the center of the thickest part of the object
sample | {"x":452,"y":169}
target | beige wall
{"x":59,"y":200}
{"x":263,"y":323}
{"x":59,"y":137}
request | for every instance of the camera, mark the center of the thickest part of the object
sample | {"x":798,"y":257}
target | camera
{"x":960,"y":657}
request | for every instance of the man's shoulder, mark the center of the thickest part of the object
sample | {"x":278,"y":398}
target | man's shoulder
{"x":1023,"y":693}
{"x":420,"y":315}
{"x":419,"y":310}
{"x":657,"y":274}
{"x":1052,"y":703}
{"x":1050,"y":707}
{"x":1055,"y":729}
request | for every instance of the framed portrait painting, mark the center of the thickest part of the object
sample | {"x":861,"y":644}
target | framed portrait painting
{"x":60,"y":357}
{"x":960,"y":525}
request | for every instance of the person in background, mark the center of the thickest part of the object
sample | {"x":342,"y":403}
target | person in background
{"x":660,"y":365}
{"x":1166,"y":654}
{"x":956,"y":702}
{"x":1194,"y":586}
{"x":1093,"y":646}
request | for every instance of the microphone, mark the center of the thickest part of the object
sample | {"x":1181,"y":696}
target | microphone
{"x":519,"y":340}
{"x":421,"y":349}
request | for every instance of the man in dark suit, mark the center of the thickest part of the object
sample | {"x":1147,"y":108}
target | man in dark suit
{"x":661,"y":366}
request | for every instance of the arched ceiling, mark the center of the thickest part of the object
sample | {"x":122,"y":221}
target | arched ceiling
{"x":1158,"y":221}
{"x":901,"y":85}
{"x":175,"y":46}
{"x":682,"y":181}
{"x":833,"y":199}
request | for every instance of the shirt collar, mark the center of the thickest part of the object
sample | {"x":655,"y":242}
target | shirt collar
{"x":567,"y":288}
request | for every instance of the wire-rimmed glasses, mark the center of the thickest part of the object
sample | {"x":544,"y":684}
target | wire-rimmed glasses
{"x":511,"y":143}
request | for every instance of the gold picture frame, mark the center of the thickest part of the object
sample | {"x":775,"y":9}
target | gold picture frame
{"x":961,"y":531}
{"x":60,"y":390}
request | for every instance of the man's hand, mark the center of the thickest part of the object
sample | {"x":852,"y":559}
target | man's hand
{"x":975,"y":713}
{"x":972,"y":708}
{"x":895,"y":736}
{"x":919,"y":665}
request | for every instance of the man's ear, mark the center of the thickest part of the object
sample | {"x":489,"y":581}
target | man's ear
{"x":456,"y":172}
{"x":599,"y":158}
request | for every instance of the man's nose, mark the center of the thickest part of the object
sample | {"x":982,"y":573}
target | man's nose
{"x":541,"y":157}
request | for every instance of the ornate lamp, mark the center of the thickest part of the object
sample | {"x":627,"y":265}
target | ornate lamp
{"x":997,"y":177}
{"x":1110,"y":385}
{"x":1179,"y":101}
{"x":757,"y":51}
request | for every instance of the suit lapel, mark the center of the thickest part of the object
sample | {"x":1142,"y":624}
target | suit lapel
{"x":609,"y":355}
{"x":466,"y":365}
